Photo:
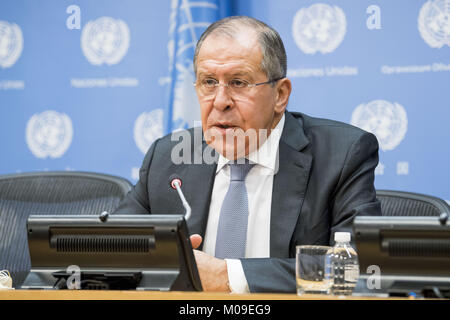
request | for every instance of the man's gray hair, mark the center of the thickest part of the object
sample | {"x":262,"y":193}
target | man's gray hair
{"x":274,"y":61}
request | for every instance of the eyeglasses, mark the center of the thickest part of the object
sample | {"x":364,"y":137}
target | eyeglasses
{"x":237,"y":87}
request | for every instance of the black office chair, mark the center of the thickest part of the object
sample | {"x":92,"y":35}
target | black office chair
{"x":58,"y":192}
{"x":400,"y":203}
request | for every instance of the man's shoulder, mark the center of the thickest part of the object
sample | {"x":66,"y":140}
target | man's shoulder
{"x":189,"y":136}
{"x":180,"y":145}
{"x":322,"y":126}
{"x":310,"y":122}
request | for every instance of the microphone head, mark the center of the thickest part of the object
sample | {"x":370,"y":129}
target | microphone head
{"x":174,"y":179}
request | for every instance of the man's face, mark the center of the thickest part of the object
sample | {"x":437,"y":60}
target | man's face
{"x":227,"y":114}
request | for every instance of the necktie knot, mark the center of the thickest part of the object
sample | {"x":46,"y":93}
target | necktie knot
{"x":238,"y":172}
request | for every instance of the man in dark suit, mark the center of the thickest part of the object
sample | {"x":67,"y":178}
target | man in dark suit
{"x":305,"y":178}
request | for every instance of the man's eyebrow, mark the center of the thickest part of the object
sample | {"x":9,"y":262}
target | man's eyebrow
{"x":240,"y":73}
{"x":205,"y":74}
{"x":233,"y":74}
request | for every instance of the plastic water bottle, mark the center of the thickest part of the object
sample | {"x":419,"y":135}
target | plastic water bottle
{"x":343,"y":265}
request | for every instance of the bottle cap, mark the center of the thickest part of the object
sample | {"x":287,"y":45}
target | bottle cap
{"x":342,"y":236}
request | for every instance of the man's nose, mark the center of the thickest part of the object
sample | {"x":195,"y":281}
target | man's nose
{"x":223,"y":100}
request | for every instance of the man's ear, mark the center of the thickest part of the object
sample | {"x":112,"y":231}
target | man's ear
{"x":283,"y":91}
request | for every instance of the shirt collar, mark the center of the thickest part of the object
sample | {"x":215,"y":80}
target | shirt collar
{"x":266,"y":155}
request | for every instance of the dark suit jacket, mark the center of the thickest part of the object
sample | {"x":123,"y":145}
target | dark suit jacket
{"x":325,"y":179}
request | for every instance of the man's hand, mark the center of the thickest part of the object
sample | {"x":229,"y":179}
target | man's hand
{"x":213,"y":271}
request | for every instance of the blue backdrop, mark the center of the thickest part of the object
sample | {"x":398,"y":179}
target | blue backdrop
{"x":88,"y":85}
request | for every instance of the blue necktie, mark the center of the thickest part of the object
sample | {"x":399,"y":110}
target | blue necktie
{"x":232,"y":230}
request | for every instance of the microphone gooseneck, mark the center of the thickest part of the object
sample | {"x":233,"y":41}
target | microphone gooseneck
{"x":175,"y":182}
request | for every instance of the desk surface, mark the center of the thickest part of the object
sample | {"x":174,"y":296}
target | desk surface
{"x":156,"y":295}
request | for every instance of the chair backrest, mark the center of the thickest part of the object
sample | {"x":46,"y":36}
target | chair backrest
{"x":57,"y":192}
{"x":400,"y":203}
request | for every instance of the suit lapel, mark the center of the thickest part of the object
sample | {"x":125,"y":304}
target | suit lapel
{"x":289,"y":186}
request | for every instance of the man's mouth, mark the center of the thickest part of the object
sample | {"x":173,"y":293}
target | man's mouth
{"x":225,"y":126}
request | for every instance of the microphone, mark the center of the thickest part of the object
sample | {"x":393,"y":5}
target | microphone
{"x":175,"y":183}
{"x":443,"y":218}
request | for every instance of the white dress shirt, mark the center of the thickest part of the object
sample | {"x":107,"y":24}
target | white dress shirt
{"x":259,"y":184}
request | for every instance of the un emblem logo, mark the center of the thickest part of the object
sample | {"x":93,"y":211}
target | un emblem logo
{"x":11,"y":43}
{"x":319,"y":27}
{"x":147,"y":128}
{"x":387,"y":121}
{"x":105,"y":40}
{"x":49,"y":134}
{"x":434,"y":23}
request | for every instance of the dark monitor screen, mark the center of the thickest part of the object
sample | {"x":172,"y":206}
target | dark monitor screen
{"x":410,"y":254}
{"x":142,"y":252}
